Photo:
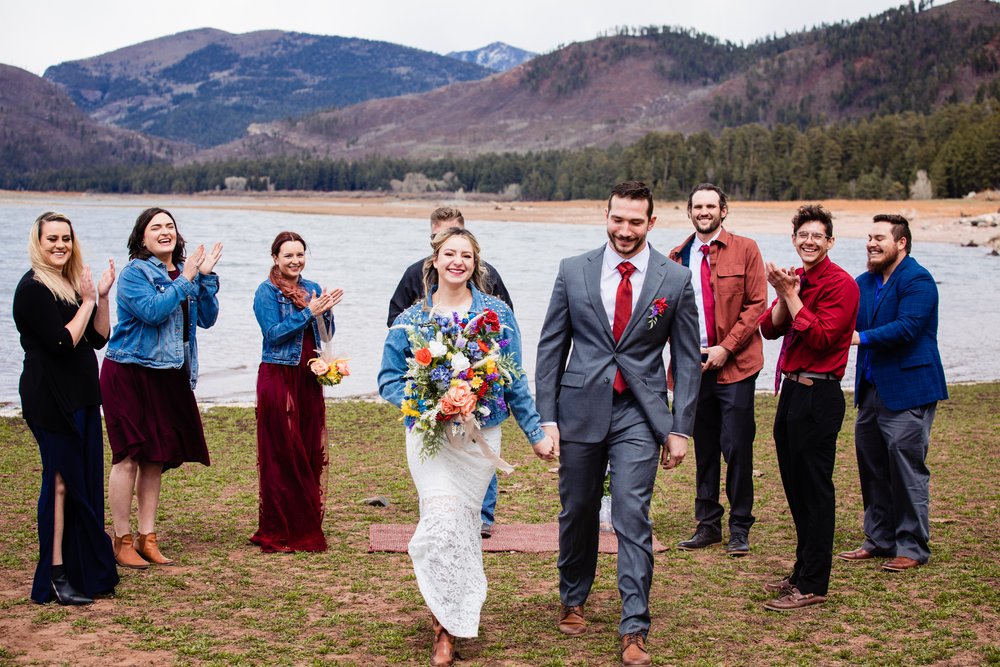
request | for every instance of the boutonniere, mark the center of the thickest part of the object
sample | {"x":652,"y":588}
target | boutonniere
{"x":658,"y":308}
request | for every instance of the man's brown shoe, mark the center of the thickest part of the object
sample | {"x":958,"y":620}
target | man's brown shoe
{"x":125,"y":554}
{"x":858,"y":554}
{"x":146,"y":547}
{"x":571,"y":620}
{"x":794,"y":600}
{"x":634,"y":652}
{"x":900,"y":563}
{"x":783,"y":587}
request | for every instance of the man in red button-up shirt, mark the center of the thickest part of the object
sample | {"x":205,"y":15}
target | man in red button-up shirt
{"x":815,"y":311}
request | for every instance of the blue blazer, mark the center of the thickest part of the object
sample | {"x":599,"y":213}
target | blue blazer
{"x":899,"y":336}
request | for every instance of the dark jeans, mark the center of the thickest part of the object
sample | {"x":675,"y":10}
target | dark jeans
{"x":724,"y":426}
{"x":805,"y":437}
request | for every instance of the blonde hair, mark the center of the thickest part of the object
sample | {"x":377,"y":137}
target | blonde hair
{"x":479,"y":277}
{"x":65,"y":283}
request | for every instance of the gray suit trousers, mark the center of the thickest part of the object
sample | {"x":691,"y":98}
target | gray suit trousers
{"x":633,"y":454}
{"x":892,"y":450}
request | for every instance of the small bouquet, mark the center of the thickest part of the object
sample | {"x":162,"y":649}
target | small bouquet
{"x":658,"y":308}
{"x":458,"y":368}
{"x":328,"y":368}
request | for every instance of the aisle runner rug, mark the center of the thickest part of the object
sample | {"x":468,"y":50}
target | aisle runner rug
{"x":525,"y":537}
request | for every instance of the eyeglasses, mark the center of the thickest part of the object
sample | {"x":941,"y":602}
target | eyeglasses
{"x":811,"y":236}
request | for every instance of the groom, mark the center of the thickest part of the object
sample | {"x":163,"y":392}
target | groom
{"x":601,"y":386}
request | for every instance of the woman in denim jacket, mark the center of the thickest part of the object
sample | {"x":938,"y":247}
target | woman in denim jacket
{"x":295,"y":318}
{"x":446,"y":548}
{"x":149,"y":373}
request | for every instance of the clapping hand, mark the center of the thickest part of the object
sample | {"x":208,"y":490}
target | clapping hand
{"x":325,"y":301}
{"x":784,"y":281}
{"x":193,"y":263}
{"x":87,"y":291}
{"x":210,"y":259}
{"x":107,"y":280}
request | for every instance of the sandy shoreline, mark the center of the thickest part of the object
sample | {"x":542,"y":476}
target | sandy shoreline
{"x":936,"y":220}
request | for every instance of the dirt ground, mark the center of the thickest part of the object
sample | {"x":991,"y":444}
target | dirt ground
{"x":936,"y":220}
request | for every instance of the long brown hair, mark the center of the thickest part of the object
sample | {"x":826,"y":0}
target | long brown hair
{"x":479,"y":277}
{"x":293,"y":290}
{"x":63,"y":283}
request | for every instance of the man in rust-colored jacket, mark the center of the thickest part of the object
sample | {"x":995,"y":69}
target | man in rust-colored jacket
{"x":731,"y":294}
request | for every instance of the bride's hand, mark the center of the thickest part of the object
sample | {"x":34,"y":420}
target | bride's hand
{"x":545,"y":449}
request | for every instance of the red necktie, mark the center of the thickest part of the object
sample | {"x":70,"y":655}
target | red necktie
{"x":707,"y":297}
{"x":623,"y":312}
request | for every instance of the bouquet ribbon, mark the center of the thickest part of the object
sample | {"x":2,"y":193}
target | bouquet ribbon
{"x":475,"y":434}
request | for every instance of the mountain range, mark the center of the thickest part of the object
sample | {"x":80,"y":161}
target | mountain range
{"x":618,"y":88}
{"x":205,"y":95}
{"x":205,"y":86}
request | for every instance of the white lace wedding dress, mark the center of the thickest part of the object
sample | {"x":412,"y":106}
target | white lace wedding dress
{"x":446,"y":549}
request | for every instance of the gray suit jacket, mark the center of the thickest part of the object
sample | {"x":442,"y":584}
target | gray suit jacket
{"x":577,"y":394}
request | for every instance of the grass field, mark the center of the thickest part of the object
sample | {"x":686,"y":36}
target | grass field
{"x":229,"y":604}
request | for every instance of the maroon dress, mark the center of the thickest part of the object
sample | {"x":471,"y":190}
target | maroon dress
{"x":151,"y":414}
{"x":291,"y":455}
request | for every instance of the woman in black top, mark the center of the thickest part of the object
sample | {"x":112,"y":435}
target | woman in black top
{"x":62,"y":318}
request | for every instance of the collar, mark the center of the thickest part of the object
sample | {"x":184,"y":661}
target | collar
{"x":696,"y":242}
{"x":612,"y":259}
{"x":816,"y":272}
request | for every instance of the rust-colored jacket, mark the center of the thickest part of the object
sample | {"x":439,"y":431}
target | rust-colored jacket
{"x":740,"y":290}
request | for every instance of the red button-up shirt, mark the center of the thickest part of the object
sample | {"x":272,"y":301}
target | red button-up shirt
{"x":821,"y":332}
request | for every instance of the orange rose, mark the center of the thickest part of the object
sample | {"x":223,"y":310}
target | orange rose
{"x":342,"y":367}
{"x":423,"y":356}
{"x":319,"y":367}
{"x":459,"y":400}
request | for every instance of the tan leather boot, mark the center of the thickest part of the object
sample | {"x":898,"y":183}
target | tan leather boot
{"x":443,"y":651}
{"x":126,"y":555}
{"x":145,"y":545}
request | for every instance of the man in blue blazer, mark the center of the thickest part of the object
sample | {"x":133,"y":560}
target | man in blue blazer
{"x":898,"y":383}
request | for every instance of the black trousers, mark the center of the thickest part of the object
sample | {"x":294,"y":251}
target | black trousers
{"x":724,"y":426}
{"x":805,"y":437}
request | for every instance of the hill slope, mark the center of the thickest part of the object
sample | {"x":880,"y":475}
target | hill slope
{"x":205,"y":86}
{"x":41,"y":128}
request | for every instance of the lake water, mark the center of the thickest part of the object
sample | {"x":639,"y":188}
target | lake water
{"x":366,"y":256}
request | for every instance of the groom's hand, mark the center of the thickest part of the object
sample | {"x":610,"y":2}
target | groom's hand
{"x":553,"y":432}
{"x":545,"y":448}
{"x":674,"y":451}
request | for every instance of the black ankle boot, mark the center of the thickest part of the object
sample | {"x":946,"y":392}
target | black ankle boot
{"x":64,"y":591}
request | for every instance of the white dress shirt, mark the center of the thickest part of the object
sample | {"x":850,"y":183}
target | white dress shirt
{"x":611,"y":278}
{"x":694,"y":263}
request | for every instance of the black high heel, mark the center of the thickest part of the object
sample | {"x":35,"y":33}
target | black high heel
{"x":65,"y":593}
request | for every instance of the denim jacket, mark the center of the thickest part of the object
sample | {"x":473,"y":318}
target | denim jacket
{"x":517,"y":396}
{"x":283,"y":324}
{"x":150,"y":324}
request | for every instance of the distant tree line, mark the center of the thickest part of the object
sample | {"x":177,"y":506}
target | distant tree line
{"x":957,"y":145}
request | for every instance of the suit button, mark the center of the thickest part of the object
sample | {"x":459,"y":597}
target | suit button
{"x":607,"y":380}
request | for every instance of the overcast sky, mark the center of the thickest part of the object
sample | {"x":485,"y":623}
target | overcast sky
{"x":37,"y":33}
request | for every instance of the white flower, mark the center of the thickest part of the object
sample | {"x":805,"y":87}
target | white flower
{"x":459,"y":362}
{"x":437,"y":348}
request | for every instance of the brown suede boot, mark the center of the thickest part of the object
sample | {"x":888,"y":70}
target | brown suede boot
{"x":443,"y":651}
{"x":146,"y":547}
{"x":126,"y":555}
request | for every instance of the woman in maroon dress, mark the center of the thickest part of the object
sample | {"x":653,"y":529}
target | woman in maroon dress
{"x":149,"y":374}
{"x":291,"y":414}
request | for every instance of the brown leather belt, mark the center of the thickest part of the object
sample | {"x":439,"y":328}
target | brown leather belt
{"x":806,"y":378}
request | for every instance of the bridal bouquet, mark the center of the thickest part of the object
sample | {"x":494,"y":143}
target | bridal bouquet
{"x":458,"y":368}
{"x":328,"y":368}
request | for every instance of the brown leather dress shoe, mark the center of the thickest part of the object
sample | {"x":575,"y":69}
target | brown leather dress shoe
{"x":794,"y":600}
{"x":443,"y":650}
{"x":125,"y":554}
{"x":783,"y":587}
{"x":634,"y":652}
{"x":900,"y":563}
{"x":858,"y":554}
{"x":571,"y":620}
{"x":146,"y":547}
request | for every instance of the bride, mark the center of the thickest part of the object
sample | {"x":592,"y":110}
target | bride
{"x":446,"y":548}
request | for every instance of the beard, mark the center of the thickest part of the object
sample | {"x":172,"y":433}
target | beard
{"x":878,"y":264}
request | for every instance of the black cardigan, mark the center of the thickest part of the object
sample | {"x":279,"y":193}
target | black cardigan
{"x":58,"y":378}
{"x":411,"y":289}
